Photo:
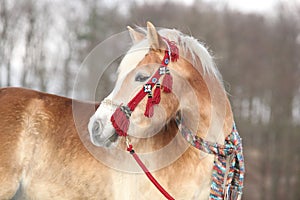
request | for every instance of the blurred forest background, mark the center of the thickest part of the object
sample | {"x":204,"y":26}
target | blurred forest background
{"x":43,"y":43}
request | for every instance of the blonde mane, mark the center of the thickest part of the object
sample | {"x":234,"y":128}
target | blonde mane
{"x":190,"y":48}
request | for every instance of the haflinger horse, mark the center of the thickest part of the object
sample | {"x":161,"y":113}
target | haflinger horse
{"x":46,"y":154}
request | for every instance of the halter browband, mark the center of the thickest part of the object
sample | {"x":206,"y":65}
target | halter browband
{"x":120,"y":118}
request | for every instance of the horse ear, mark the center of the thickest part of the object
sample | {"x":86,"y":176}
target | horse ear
{"x":155,"y":40}
{"x":135,"y":36}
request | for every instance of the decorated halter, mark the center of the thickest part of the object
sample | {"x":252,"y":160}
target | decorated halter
{"x":228,"y":170}
{"x":120,"y":118}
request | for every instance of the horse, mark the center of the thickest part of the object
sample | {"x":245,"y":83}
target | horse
{"x":47,"y":154}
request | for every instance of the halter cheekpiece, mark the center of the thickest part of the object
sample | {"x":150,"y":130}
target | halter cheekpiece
{"x":228,"y":170}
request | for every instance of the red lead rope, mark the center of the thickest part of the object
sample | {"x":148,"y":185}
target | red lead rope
{"x":148,"y":174}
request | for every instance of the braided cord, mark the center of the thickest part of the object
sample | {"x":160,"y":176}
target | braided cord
{"x":232,"y":153}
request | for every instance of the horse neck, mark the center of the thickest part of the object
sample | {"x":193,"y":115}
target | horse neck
{"x":206,"y":110}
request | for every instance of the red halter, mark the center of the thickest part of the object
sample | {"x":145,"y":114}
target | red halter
{"x":120,"y":118}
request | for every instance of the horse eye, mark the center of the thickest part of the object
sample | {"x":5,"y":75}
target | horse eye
{"x":141,"y":77}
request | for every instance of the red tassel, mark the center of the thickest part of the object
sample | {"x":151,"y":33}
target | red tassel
{"x":174,"y":50}
{"x":120,"y":121}
{"x":149,"y":107}
{"x":156,"y":95}
{"x":174,"y":56}
{"x":167,"y":83}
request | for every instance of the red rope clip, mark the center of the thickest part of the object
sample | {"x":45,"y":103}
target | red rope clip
{"x":129,"y":145}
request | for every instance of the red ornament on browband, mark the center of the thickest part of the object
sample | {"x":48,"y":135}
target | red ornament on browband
{"x":173,"y":50}
{"x":120,"y":118}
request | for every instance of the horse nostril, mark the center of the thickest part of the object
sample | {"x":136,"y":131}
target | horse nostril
{"x":96,"y":128}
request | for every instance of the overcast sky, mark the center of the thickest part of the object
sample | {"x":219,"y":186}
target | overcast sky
{"x":243,"y":5}
{"x":255,"y":5}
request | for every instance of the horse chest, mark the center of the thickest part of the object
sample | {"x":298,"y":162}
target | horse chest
{"x":182,"y":184}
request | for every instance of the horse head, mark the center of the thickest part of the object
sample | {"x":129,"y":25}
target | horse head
{"x":191,"y":95}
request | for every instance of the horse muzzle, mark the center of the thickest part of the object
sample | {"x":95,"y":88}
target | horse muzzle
{"x":100,"y":136}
